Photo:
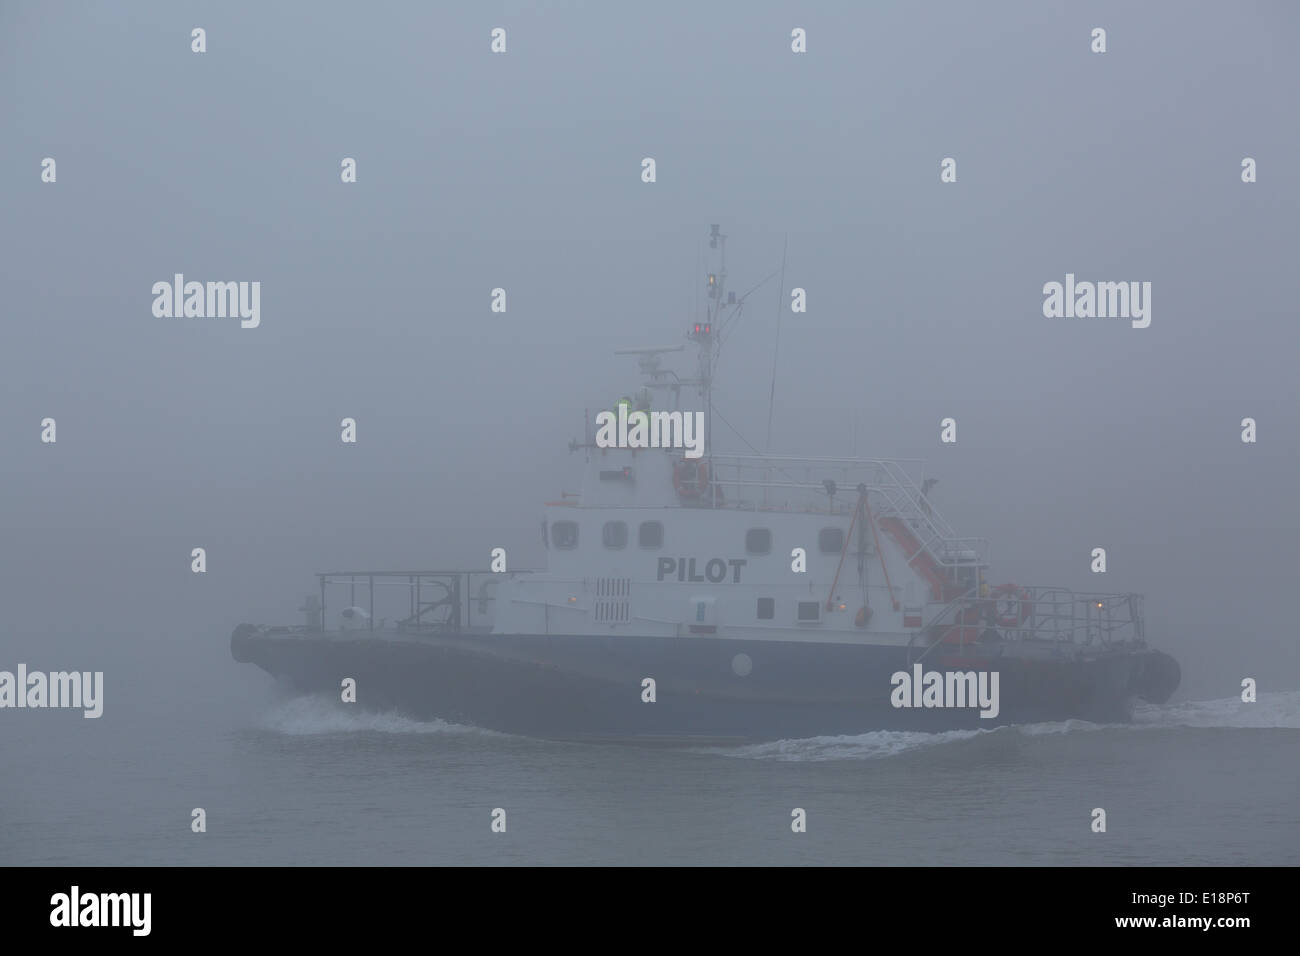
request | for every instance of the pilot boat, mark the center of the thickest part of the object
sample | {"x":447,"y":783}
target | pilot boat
{"x":692,"y":595}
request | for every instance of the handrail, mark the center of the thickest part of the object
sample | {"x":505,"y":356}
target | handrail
{"x":451,"y":590}
{"x":749,"y":478}
{"x":935,"y":621}
{"x":1056,"y":615}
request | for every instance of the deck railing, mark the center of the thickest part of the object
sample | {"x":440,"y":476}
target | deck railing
{"x":1044,"y":614}
{"x":450,"y":601}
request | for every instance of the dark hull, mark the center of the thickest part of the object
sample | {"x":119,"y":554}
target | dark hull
{"x":590,"y":687}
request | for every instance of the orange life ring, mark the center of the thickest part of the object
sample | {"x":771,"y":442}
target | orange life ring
{"x":691,"y":478}
{"x":1011,"y":605}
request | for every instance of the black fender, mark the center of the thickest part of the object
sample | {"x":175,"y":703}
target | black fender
{"x":1160,"y":677}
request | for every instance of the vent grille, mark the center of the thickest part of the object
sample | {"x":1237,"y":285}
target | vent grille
{"x":612,"y":600}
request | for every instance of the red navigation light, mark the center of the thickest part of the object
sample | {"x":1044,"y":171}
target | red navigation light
{"x":697,"y":328}
{"x":706,"y":330}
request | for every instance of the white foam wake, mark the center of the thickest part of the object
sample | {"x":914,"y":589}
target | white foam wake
{"x":877,"y":743}
{"x":1279,"y":709}
{"x":317,"y":715}
{"x":320,"y":715}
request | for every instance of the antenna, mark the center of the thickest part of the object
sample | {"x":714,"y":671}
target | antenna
{"x":704,"y":338}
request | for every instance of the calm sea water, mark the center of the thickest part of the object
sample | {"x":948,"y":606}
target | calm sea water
{"x":306,"y":780}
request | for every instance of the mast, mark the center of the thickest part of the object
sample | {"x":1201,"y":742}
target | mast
{"x":717,"y":283}
{"x":705,"y":334}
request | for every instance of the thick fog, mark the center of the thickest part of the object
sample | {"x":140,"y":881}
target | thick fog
{"x":523,"y":171}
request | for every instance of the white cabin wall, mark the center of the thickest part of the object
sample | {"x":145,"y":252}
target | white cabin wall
{"x":570,"y":584}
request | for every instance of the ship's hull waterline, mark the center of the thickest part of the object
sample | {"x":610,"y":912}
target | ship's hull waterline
{"x":592,"y":687}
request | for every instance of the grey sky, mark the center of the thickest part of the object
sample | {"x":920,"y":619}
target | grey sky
{"x":523,"y":171}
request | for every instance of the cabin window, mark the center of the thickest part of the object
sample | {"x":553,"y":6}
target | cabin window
{"x":614,"y":535}
{"x":766,"y":609}
{"x":758,"y":541}
{"x":831,"y":540}
{"x":809,"y":611}
{"x":651,"y":534}
{"x":564,"y":535}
